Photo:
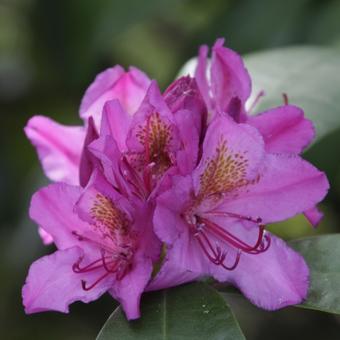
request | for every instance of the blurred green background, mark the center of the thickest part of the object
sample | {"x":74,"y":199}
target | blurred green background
{"x":50,"y":50}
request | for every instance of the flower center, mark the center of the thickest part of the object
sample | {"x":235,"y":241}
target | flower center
{"x":117,"y":262}
{"x":117,"y":243}
{"x":145,"y":168}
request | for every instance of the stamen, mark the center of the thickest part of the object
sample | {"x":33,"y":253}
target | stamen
{"x":216,"y":256}
{"x":106,"y":265}
{"x":202,"y":227}
{"x":90,"y":267}
{"x":256,"y":100}
{"x":225,"y":235}
{"x":213,"y":258}
{"x":234,"y":265}
{"x":285,"y":98}
{"x":260,"y":246}
{"x":110,"y":265}
{"x":238,"y":216}
{"x":87,"y":288}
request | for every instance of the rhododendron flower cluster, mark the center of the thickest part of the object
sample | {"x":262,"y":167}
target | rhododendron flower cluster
{"x":189,"y":172}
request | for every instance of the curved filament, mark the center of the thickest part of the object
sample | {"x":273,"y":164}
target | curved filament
{"x":262,"y":243}
{"x":215,"y":255}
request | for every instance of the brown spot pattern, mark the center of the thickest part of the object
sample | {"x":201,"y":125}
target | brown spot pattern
{"x":156,"y":136}
{"x":224,"y":172}
{"x":108,"y":217}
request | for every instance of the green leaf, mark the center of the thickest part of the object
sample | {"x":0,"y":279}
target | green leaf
{"x":322,"y":254}
{"x":195,"y":311}
{"x":308,"y":75}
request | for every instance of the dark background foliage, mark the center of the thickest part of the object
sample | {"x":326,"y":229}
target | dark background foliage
{"x":49,"y":52}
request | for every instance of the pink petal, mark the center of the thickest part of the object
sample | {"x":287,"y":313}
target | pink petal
{"x":52,"y":208}
{"x":229,"y":77}
{"x":171,"y":275}
{"x":287,"y":186}
{"x":152,"y":103}
{"x":184,"y":261}
{"x":314,"y":216}
{"x":115,"y":123}
{"x":284,"y":129}
{"x":51,"y":283}
{"x":201,"y":77}
{"x":128,"y":291}
{"x":183,"y":94}
{"x":114,"y":83}
{"x":98,"y":186}
{"x":88,"y":161}
{"x":167,"y":221}
{"x":59,"y":148}
{"x":274,"y":279}
{"x":45,"y":237}
{"x":106,"y":150}
{"x":187,"y":157}
{"x":100,"y":87}
{"x":241,"y":153}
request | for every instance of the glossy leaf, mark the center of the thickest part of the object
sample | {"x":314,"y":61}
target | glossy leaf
{"x":196,"y":311}
{"x":308,"y":75}
{"x":322,"y":254}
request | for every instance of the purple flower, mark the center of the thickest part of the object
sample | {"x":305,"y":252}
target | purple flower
{"x":284,"y":129}
{"x":105,"y":243}
{"x":213,"y":220}
{"x":189,"y":168}
{"x":103,"y":230}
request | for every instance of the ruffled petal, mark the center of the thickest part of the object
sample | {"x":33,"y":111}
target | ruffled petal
{"x":284,"y":129}
{"x":59,"y":148}
{"x":52,"y":208}
{"x":287,"y":186}
{"x":114,"y":83}
{"x":99,"y":92}
{"x":52,"y":284}
{"x":274,"y":279}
